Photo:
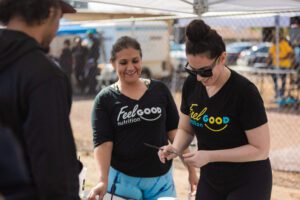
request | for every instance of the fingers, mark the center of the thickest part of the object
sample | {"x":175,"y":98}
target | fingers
{"x":188,"y":155}
{"x":101,"y":196}
{"x":91,"y":196}
{"x":94,"y":196}
{"x":161,"y":156}
{"x":193,"y":190}
{"x":167,"y":152}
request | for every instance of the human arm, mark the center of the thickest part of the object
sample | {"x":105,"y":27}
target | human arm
{"x":184,"y":136}
{"x":193,"y":178}
{"x":102,"y":155}
{"x":257,"y":149}
{"x":103,"y":143}
{"x":287,"y":51}
{"x":49,"y":140}
{"x":250,"y":117}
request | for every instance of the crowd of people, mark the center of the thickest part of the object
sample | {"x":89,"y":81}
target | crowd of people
{"x":81,"y":59}
{"x":137,"y":129}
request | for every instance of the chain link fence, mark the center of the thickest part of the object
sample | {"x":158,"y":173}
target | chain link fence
{"x":249,"y":40}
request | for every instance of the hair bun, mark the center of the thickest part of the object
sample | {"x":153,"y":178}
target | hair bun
{"x":197,"y":31}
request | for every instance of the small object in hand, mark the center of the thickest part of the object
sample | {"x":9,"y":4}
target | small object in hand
{"x":160,"y":148}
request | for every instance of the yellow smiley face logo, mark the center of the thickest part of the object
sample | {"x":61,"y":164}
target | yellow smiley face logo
{"x":215,"y":130}
{"x":215,"y":120}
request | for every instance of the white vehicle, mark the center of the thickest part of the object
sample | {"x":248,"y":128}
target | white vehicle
{"x":153,"y":37}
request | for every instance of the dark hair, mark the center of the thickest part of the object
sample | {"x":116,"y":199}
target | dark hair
{"x":124,"y":42}
{"x":67,"y":42}
{"x":32,"y":11}
{"x":201,"y":39}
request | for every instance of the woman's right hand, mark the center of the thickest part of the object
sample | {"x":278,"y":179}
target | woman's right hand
{"x":99,"y":189}
{"x":166,"y":153}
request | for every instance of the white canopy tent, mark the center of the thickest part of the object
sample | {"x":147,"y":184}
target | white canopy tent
{"x":247,"y":20}
{"x":238,"y":13}
{"x":198,"y":7}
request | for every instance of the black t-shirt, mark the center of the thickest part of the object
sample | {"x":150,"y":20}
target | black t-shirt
{"x":130,"y":123}
{"x":220,"y":121}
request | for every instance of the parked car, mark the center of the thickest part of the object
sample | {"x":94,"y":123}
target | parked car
{"x":234,"y":49}
{"x":178,"y":56}
{"x":256,"y":56}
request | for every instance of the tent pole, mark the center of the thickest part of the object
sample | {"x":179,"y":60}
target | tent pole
{"x":277,"y":40}
{"x":277,"y":27}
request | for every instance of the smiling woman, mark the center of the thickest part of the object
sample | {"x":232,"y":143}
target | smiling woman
{"x":225,"y":112}
{"x":126,"y":115}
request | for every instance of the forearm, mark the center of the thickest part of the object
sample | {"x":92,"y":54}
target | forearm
{"x":102,"y":155}
{"x":243,"y":153}
{"x":191,"y":169}
{"x":182,"y":140}
{"x":172,"y":135}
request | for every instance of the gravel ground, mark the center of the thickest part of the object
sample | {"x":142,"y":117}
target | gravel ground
{"x":286,"y":185}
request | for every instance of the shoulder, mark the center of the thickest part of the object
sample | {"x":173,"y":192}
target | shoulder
{"x":105,"y":94}
{"x":189,"y":84}
{"x":154,"y":82}
{"x":38,"y":68}
{"x":241,"y":83}
{"x":244,"y":88}
{"x":157,"y":85}
{"x":286,"y":45}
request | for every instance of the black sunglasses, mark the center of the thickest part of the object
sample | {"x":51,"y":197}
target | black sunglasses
{"x":204,"y":71}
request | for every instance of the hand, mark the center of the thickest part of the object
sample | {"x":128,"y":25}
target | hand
{"x":193,"y":180}
{"x":166,"y":153}
{"x":197,"y":158}
{"x":99,"y":189}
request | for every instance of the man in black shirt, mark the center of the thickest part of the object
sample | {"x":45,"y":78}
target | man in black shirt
{"x":35,"y":97}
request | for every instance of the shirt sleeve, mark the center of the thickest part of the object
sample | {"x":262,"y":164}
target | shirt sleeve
{"x":271,"y":50}
{"x":101,"y":123}
{"x":252,"y":111}
{"x":172,"y":117}
{"x":287,"y":48}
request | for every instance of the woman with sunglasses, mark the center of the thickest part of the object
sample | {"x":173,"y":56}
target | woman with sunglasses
{"x":226,"y":113}
{"x":129,"y":117}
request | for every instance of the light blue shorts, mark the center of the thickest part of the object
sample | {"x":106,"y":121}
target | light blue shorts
{"x":140,"y":188}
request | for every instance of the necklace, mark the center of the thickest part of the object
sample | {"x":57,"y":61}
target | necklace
{"x":145,"y":81}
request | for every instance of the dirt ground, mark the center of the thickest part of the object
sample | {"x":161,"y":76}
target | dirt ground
{"x":286,"y":185}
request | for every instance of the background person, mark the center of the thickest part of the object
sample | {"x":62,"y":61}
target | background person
{"x":286,"y":55}
{"x":127,"y":114}
{"x":225,"y":112}
{"x":93,"y":56}
{"x":35,"y":97}
{"x":66,"y":60}
{"x":80,"y":54}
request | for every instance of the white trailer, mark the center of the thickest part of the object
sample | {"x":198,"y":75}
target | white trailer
{"x":152,"y":35}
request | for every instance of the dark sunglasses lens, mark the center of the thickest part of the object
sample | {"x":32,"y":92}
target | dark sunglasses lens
{"x":190,"y":72}
{"x":205,"y":73}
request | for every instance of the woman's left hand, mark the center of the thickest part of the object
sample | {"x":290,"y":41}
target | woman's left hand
{"x":197,"y":158}
{"x":193,"y":180}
